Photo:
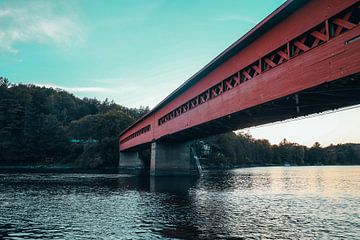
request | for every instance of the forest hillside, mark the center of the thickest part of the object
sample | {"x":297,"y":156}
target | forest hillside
{"x":46,"y":126}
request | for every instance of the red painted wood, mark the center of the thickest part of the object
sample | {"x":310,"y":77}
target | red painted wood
{"x":328,"y":62}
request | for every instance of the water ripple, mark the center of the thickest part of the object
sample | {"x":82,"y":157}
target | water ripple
{"x":253,"y":203}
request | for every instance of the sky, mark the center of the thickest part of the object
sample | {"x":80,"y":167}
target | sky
{"x":136,"y":52}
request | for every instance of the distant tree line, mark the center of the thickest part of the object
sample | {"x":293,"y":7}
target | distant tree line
{"x":41,"y":125}
{"x":44,"y":125}
{"x":230,"y":149}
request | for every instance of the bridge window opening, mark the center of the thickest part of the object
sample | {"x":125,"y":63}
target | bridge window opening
{"x":275,"y":58}
{"x":187,"y":107}
{"x":250,"y":71}
{"x":320,"y":34}
{"x":309,"y":40}
{"x":137,"y":133}
{"x":345,"y":21}
{"x":178,"y":111}
{"x":183,"y":108}
{"x":228,"y":84}
{"x":204,"y":97}
{"x":216,"y":90}
{"x":193,"y":102}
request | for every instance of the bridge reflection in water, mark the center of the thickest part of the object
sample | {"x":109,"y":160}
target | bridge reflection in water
{"x":272,"y":203}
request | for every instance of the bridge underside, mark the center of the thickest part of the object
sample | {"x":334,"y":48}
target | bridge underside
{"x":326,"y":97}
{"x":172,"y":154}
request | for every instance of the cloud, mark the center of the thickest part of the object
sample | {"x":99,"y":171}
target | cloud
{"x":236,"y":18}
{"x":110,"y":80}
{"x":112,"y":87}
{"x":89,"y":89}
{"x":35,"y":22}
{"x":78,"y":89}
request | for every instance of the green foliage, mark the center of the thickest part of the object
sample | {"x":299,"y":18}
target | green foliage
{"x":37,"y":124}
{"x":230,"y":149}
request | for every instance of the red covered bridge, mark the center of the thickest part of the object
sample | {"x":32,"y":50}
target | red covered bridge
{"x":303,"y":58}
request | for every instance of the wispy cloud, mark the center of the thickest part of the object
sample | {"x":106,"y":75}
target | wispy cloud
{"x":89,"y":89}
{"x":112,"y":87}
{"x":110,"y":80}
{"x":236,"y":18}
{"x":36,"y":22}
{"x":78,"y":89}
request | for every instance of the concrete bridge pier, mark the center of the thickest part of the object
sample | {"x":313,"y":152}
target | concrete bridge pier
{"x":130,"y":161}
{"x":173,"y":159}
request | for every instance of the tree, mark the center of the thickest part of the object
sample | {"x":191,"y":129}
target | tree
{"x":37,"y":123}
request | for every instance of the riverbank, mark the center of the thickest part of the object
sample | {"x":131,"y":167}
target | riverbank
{"x":74,"y":169}
{"x":54,"y":169}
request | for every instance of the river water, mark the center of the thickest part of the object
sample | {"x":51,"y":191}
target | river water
{"x":250,"y":203}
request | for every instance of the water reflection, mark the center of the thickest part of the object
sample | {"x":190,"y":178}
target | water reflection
{"x":173,"y":185}
{"x":272,"y":203}
{"x":178,"y":217}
